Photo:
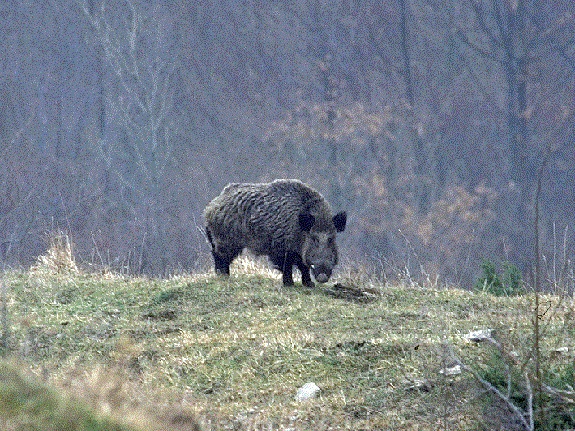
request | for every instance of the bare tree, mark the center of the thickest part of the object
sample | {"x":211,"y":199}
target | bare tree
{"x":136,"y":46}
{"x":519,"y":36}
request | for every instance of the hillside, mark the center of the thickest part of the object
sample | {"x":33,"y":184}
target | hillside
{"x":234,"y":352}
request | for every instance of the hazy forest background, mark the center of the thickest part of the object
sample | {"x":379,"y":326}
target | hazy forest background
{"x":427,"y":120}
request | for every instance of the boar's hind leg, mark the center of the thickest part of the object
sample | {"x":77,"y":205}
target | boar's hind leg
{"x":287,"y":269}
{"x":222,"y":265}
{"x":222,"y":261}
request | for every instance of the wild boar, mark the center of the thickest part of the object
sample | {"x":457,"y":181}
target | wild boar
{"x":286,"y":220}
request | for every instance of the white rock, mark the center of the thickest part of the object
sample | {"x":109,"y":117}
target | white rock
{"x":478,"y":336}
{"x":307,"y":391}
{"x":451,"y":371}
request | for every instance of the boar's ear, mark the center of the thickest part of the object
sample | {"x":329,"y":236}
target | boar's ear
{"x":306,"y":221}
{"x":339,"y":221}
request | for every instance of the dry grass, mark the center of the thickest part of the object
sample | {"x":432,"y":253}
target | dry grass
{"x":58,"y":259}
{"x":248,"y":264}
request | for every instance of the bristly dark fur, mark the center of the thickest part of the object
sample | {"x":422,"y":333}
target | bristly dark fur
{"x":286,"y":220}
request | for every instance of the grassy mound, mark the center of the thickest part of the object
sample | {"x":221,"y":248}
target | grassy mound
{"x":233,"y":352}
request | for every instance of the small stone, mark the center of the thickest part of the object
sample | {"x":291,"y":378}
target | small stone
{"x":307,"y":391}
{"x":313,"y":353}
{"x":418,"y":385}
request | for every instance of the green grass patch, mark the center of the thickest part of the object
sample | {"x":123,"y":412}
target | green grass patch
{"x":26,"y":404}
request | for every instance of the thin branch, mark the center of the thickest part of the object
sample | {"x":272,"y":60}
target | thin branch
{"x":566,"y":396}
{"x":487,"y":385}
{"x":495,"y":42}
{"x":481,"y":51}
{"x":536,"y":325}
{"x":476,"y":79}
{"x":4,"y":319}
{"x":529,"y":401}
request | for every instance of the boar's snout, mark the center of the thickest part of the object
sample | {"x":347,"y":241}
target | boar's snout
{"x":321,"y":273}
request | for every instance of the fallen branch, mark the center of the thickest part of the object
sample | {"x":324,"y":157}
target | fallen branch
{"x":519,"y":413}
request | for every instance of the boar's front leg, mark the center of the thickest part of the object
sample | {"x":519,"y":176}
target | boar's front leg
{"x":285,"y":262}
{"x":304,"y":269}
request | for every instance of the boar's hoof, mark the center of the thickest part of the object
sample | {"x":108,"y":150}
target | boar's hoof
{"x":308,"y":283}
